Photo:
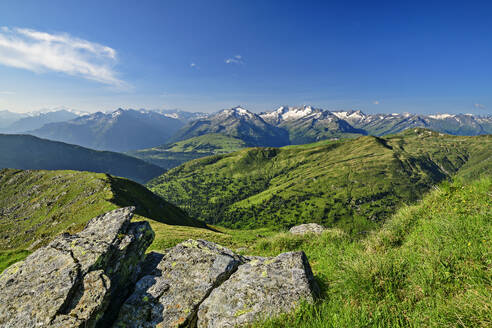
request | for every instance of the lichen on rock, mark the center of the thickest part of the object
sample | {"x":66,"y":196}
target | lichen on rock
{"x":262,"y":287}
{"x":170,"y":293}
{"x":77,"y":280}
{"x":99,"y":278}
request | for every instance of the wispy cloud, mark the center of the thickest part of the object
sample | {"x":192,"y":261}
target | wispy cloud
{"x":40,"y":52}
{"x":7,"y":93}
{"x":238,"y":59}
{"x":193,"y":65}
{"x":479,"y":106}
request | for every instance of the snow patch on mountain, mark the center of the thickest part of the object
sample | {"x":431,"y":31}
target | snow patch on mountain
{"x":441,"y":116}
{"x":349,"y":115}
{"x":285,"y":113}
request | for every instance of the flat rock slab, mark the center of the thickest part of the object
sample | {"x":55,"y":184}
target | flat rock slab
{"x":169,"y":295}
{"x":76,"y":280}
{"x":303,"y":229}
{"x":259,"y":288}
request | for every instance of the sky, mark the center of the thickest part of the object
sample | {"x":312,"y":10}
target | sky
{"x":206,"y":55}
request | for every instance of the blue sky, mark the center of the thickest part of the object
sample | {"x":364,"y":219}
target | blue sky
{"x":378,"y":56}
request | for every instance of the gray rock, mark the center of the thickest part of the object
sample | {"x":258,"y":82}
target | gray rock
{"x":97,"y":278}
{"x":303,"y":229}
{"x":170,"y":293}
{"x":77,"y":280}
{"x":260,"y":288}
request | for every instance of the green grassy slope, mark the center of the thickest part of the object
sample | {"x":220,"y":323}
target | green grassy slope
{"x":28,"y":152}
{"x":351,"y":184}
{"x":174,"y":154}
{"x":429,"y":266}
{"x":35,"y":206}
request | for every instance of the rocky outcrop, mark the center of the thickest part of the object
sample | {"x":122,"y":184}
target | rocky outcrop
{"x":201,"y":284}
{"x":97,"y":278}
{"x":170,"y":294}
{"x":303,"y":229}
{"x":261,"y":287}
{"x":77,"y":280}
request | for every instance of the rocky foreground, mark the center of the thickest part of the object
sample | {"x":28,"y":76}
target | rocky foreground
{"x":101,"y":277}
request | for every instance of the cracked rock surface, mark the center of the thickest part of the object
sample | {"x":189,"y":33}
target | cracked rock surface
{"x":170,"y":294}
{"x":98,"y":278}
{"x":77,"y":280}
{"x":260,"y":288}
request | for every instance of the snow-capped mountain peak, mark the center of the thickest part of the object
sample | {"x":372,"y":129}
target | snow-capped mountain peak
{"x":237,"y":112}
{"x":285,"y":113}
{"x":351,"y":114}
{"x":441,"y":116}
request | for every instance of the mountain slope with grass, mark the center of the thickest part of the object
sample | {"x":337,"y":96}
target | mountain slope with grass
{"x":28,"y":152}
{"x":35,"y":206}
{"x":174,"y":154}
{"x":350,"y":184}
{"x":428,"y":266}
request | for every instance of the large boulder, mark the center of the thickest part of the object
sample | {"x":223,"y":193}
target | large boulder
{"x":77,"y":280}
{"x":176,"y":284}
{"x":259,"y":288}
{"x":98,"y":278}
{"x":303,"y":229}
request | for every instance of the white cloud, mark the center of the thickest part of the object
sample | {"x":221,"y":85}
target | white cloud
{"x":479,"y":106}
{"x":40,"y":52}
{"x":238,"y":59}
{"x":7,"y":93}
{"x":376,"y":102}
{"x":193,"y":65}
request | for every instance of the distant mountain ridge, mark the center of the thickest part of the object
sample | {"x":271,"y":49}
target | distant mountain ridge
{"x":382,"y":124}
{"x":307,"y":124}
{"x":239,"y":123}
{"x":181,"y":115}
{"x":127,"y":130}
{"x":12,"y":122}
{"x":120,"y":130}
{"x":318,"y":124}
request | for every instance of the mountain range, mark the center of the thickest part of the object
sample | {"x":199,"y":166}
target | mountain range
{"x":120,"y":130}
{"x":11,"y":122}
{"x":239,"y":123}
{"x":295,"y":125}
{"x":132,"y":130}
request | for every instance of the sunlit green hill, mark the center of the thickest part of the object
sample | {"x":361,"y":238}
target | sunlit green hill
{"x":353,"y":184}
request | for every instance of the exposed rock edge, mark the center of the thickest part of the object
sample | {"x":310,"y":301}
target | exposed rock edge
{"x":99,"y":278}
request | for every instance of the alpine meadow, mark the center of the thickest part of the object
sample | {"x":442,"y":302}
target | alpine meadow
{"x":261,"y":164}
